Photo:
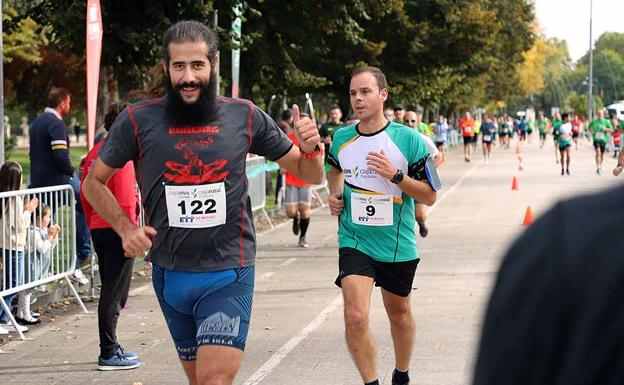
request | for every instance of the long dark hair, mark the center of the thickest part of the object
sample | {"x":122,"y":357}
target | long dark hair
{"x":10,"y":178}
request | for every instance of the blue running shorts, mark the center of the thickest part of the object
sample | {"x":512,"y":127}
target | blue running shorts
{"x":212,"y":308}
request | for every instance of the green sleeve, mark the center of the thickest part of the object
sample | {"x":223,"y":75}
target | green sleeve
{"x":323,"y":130}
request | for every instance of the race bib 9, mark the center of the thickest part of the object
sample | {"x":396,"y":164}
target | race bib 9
{"x":372,"y":210}
{"x":196,"y":206}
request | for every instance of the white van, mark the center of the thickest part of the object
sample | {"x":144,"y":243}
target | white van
{"x":616,"y":110}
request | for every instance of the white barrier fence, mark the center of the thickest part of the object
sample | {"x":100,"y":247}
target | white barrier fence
{"x":256,"y":170}
{"x":34,"y":251}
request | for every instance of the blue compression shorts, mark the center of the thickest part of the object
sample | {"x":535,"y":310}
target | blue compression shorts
{"x":212,"y":308}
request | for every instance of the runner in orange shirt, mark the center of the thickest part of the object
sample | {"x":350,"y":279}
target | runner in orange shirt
{"x":467,"y":124}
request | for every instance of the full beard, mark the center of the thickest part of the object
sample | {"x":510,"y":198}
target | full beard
{"x":201,"y":111}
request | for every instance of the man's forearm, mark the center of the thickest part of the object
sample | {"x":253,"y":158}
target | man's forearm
{"x":311,"y":169}
{"x":335,"y":181}
{"x":103,"y":201}
{"x":419,"y":190}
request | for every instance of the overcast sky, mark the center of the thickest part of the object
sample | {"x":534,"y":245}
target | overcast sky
{"x":569,"y":20}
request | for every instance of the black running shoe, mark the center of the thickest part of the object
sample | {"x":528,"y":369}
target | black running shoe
{"x":395,"y":380}
{"x":295,"y":226}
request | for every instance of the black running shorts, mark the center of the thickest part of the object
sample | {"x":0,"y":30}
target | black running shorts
{"x":395,"y":277}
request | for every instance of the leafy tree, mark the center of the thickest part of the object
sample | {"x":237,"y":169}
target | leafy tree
{"x":435,"y":53}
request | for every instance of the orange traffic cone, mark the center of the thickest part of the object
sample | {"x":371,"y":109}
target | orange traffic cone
{"x":528,"y":217}
{"x":514,"y":184}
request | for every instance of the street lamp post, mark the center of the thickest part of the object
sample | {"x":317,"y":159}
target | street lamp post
{"x":591,"y":63}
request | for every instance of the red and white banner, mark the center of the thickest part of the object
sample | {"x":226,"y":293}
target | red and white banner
{"x":94,"y":53}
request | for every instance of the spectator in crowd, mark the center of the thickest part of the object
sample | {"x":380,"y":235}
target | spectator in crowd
{"x":75,"y":124}
{"x":50,"y":165}
{"x":14,"y":222}
{"x":43,"y":238}
{"x":389,"y":114}
{"x":115,"y":267}
{"x":399,"y":113}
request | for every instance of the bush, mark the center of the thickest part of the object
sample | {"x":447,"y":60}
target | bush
{"x":9,"y":146}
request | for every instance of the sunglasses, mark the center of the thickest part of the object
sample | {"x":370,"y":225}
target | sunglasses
{"x":410,"y":120}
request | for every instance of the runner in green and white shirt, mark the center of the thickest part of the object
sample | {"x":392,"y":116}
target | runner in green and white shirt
{"x":600,"y":129}
{"x":375,"y":178}
{"x":564,"y":142}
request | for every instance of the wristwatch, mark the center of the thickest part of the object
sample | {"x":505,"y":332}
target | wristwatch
{"x":398,"y":177}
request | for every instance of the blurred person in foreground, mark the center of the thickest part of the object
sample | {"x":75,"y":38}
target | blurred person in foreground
{"x":555,"y":315}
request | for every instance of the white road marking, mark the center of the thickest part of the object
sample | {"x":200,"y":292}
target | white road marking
{"x":265,"y":276}
{"x":139,"y":290}
{"x":279,"y":355}
{"x":453,"y":188}
{"x":269,"y":274}
{"x":287,"y":262}
{"x":330,"y":236}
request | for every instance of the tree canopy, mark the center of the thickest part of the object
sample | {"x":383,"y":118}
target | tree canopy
{"x":438,"y":54}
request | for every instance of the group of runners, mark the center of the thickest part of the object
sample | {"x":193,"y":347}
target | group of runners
{"x":189,"y":150}
{"x":566,"y":129}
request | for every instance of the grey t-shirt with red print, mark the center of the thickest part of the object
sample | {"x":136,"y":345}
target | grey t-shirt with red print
{"x":210,"y":153}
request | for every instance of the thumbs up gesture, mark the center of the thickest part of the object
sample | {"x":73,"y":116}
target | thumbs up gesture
{"x":305,"y":131}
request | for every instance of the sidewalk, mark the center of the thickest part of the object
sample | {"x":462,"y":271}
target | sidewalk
{"x":297,"y":329}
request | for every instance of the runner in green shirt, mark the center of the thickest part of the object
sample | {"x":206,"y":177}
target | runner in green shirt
{"x":377,"y":172}
{"x":542,"y":126}
{"x":600,"y":129}
{"x":328,"y":129}
{"x":556,"y":124}
{"x":421,"y":126}
{"x":504,"y":131}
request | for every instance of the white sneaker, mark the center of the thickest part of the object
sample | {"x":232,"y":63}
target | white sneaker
{"x":79,"y":277}
{"x":3,"y":331}
{"x":11,"y":329}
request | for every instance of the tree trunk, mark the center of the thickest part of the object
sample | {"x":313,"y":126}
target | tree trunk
{"x":108,"y":93}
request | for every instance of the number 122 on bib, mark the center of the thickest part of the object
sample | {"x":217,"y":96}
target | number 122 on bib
{"x":196,"y":206}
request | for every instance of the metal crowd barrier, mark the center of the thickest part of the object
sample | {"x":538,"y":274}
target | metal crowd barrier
{"x":256,"y":186}
{"x":19,"y":229}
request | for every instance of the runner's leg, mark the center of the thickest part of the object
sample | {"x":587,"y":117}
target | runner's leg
{"x":217,"y":365}
{"x":402,"y":327}
{"x":356,"y":290}
{"x":568,"y":152}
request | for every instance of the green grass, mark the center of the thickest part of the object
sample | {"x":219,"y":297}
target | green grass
{"x":21,"y":156}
